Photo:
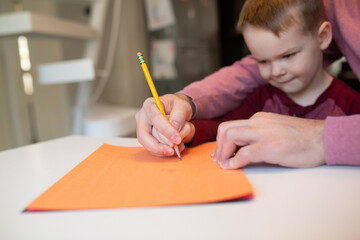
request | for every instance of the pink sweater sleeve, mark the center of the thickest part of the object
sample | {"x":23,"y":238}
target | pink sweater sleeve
{"x":342,"y":134}
{"x":342,"y":140}
{"x":224,"y":90}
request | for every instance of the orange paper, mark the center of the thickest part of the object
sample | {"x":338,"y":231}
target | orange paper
{"x":118,"y":177}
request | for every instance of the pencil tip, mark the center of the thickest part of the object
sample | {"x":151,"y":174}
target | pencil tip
{"x":177,"y":152}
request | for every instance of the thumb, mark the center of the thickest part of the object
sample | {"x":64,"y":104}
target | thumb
{"x":245,"y":155}
{"x":181,"y":112}
{"x":177,"y":117}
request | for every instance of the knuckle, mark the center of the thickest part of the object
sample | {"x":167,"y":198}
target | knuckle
{"x":228,"y":133}
{"x":166,"y":96}
{"x":222,"y":128}
{"x":245,"y":153}
{"x":148,"y":102}
{"x":257,"y":115}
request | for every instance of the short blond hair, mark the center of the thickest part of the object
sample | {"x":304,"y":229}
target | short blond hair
{"x":278,"y":15}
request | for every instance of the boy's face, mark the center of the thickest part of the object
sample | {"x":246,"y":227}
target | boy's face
{"x":289,"y":62}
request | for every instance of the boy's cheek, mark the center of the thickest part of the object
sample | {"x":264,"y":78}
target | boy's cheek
{"x":265,"y":73}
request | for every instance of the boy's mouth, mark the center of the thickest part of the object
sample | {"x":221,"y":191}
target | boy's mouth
{"x":281,"y":80}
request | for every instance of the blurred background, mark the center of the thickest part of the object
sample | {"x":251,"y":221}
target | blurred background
{"x":70,"y":66}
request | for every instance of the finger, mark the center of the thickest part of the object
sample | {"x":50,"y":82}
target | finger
{"x":181,"y":111}
{"x":178,"y":116}
{"x":161,"y":138}
{"x":244,"y":156}
{"x":152,"y":145}
{"x":181,"y":147}
{"x":223,"y":129}
{"x":187,"y":132}
{"x":268,"y":115}
{"x":145,"y":138}
{"x":226,"y":147}
{"x":143,"y":127}
{"x":231,"y":137}
{"x":162,"y":124}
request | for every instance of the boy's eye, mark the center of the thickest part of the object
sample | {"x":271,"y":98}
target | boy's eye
{"x":262,"y":61}
{"x":289,"y":55}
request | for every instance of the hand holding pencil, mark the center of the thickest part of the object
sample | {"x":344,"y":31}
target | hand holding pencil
{"x":154,"y":92}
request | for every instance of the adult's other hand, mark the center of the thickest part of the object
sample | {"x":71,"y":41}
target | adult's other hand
{"x":271,"y":138}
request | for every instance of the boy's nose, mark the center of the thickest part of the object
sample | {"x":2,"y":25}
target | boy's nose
{"x":277,"y":70}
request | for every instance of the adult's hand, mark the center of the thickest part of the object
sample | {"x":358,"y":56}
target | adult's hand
{"x":271,"y":138}
{"x":178,"y":109}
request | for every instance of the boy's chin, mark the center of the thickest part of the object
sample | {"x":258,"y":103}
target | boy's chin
{"x":286,"y":89}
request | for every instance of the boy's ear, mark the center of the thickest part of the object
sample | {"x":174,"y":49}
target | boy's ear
{"x":325,"y":35}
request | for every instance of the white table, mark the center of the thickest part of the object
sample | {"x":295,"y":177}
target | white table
{"x":317,"y":203}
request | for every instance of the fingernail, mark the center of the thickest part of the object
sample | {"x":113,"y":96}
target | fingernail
{"x":231,"y":163}
{"x":224,"y":164}
{"x":176,"y":139}
{"x":214,"y":158}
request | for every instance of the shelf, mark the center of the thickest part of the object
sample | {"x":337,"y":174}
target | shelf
{"x":110,"y":120}
{"x":23,"y":23}
{"x":70,"y":71}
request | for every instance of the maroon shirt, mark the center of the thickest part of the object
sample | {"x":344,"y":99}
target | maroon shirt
{"x":337,"y":100}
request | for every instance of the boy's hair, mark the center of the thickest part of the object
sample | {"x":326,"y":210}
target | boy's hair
{"x":278,"y":15}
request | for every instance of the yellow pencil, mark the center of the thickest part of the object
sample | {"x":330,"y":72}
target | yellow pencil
{"x":154,"y":92}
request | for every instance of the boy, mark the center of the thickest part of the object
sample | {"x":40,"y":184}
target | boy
{"x":287,"y":38}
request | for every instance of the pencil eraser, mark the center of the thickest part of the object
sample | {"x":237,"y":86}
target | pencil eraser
{"x":139,"y":54}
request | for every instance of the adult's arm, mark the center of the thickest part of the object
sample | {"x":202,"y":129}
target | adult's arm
{"x":342,"y":134}
{"x":224,"y":90}
{"x":342,"y":140}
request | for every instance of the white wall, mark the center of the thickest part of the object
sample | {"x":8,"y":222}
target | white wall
{"x":127,"y":84}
